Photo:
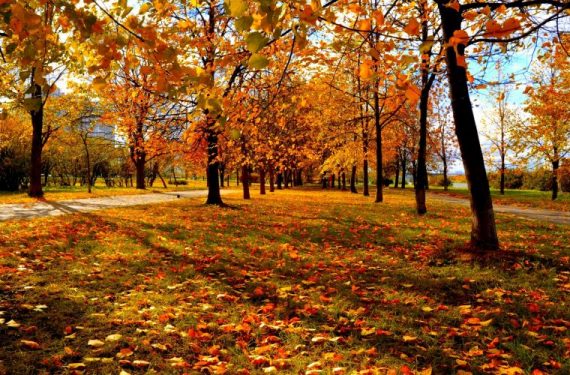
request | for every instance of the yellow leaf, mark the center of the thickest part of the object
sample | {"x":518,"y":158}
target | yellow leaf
{"x":407,"y":338}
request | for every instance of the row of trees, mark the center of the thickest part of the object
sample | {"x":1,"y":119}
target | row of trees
{"x":275,"y":86}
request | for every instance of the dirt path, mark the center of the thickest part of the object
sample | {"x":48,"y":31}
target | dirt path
{"x":550,"y":216}
{"x":41,"y":209}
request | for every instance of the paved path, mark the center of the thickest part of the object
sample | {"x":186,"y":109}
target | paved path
{"x":41,"y":209}
{"x":551,"y":216}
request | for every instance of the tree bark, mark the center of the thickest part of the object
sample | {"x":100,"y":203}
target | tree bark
{"x":245,"y":182}
{"x":262,"y":181}
{"x":445,"y":179}
{"x":502,"y":174}
{"x":279,"y":180}
{"x":88,"y":162}
{"x":37,"y":115}
{"x":397,"y":170}
{"x":483,"y":229}
{"x":378,"y":128}
{"x":404,"y":166}
{"x":555,"y":166}
{"x":353,"y":179}
{"x":222,"y":171}
{"x":140,"y":166}
{"x":271,"y":180}
{"x":214,"y":196}
{"x":333,"y":181}
{"x":343,"y":181}
{"x":421,"y":177}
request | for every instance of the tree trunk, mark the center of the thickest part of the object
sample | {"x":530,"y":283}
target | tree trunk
{"x":404,"y":166}
{"x":237,"y":177}
{"x":271,"y":180}
{"x":483,"y":229}
{"x":245,"y":181}
{"x":421,"y":171}
{"x":37,"y":114}
{"x":445,"y":180}
{"x":279,"y":180}
{"x":88,"y":162}
{"x":397,"y":170}
{"x":353,"y":179}
{"x":286,"y":178}
{"x":262,"y":181}
{"x":140,"y":166}
{"x":333,"y":181}
{"x":162,"y":179}
{"x":378,"y":128}
{"x":343,"y":181}
{"x":222,"y":171}
{"x":555,"y":165}
{"x":502,"y":174}
{"x":300,"y":177}
{"x":214,"y":196}
{"x":365,"y":171}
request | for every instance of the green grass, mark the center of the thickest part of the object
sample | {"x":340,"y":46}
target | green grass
{"x":516,"y":197}
{"x":296,"y":280}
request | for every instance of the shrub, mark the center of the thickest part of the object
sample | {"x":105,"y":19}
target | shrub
{"x":539,"y":179}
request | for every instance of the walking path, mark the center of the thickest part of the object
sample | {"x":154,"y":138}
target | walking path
{"x":551,"y":216}
{"x":48,"y":208}
{"x":42,"y":209}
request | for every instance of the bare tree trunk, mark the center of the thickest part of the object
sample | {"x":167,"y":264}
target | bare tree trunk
{"x":245,"y":182}
{"x":502,"y":174}
{"x":214,"y":196}
{"x":222,"y":171}
{"x":445,"y":179}
{"x":140,"y":167}
{"x":397,"y":170}
{"x":404,"y":166}
{"x":262,"y":181}
{"x":88,"y":162}
{"x":37,"y":115}
{"x":378,"y":128}
{"x":343,"y":180}
{"x":271,"y":180}
{"x":555,"y":166}
{"x":483,"y":229}
{"x":353,"y":179}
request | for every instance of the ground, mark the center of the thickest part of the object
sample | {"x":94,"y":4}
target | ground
{"x":294,"y":282}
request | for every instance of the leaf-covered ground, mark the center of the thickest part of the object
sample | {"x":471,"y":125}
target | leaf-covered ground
{"x":295,"y":282}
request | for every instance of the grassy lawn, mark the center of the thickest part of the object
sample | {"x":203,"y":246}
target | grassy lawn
{"x":60,"y":193}
{"x":520,"y":198}
{"x":296,"y":282}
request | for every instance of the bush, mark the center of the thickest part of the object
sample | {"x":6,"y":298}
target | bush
{"x":514,"y":179}
{"x":443,"y":182}
{"x":539,"y":179}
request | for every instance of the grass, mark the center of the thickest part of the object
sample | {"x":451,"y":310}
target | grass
{"x":294,"y":282}
{"x":515,"y":197}
{"x":61,"y":193}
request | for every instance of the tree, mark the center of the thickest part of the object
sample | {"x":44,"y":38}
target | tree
{"x":547,"y":132}
{"x":503,"y":122}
